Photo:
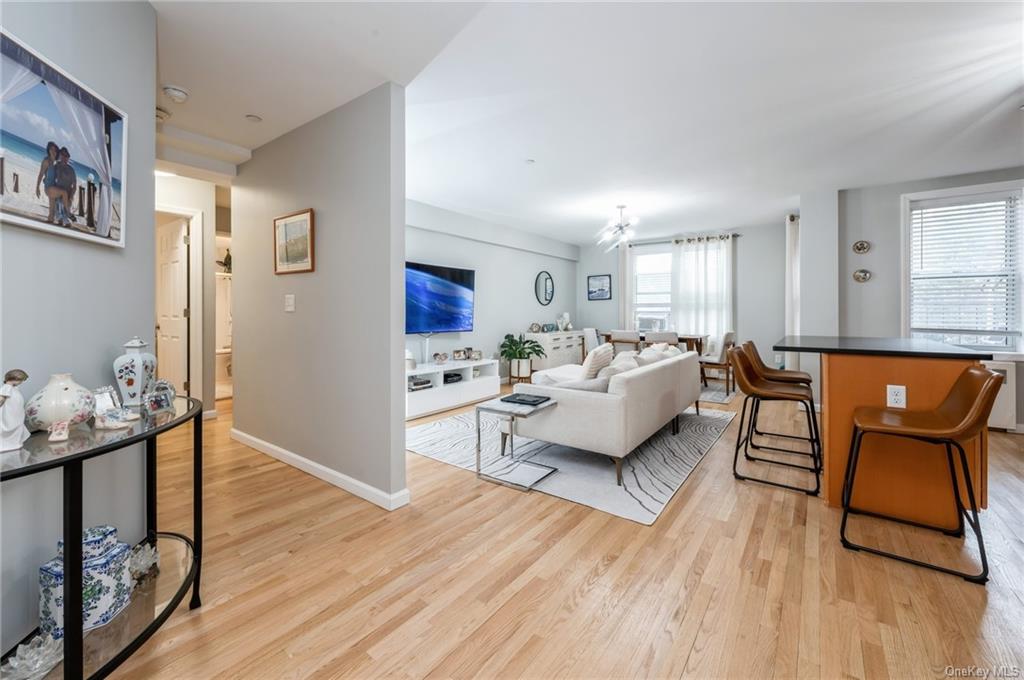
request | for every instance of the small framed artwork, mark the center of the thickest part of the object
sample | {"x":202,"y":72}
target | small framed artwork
{"x":294,"y":243}
{"x":599,"y":287}
{"x":459,"y":355}
{"x":476,"y":355}
{"x":106,"y":399}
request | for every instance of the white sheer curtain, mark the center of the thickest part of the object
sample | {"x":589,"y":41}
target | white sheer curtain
{"x":15,"y":79}
{"x":86,"y":126}
{"x":627,"y":317}
{"x":702,"y":291}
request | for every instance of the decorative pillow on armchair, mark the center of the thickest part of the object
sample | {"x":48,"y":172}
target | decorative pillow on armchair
{"x":598,"y":358}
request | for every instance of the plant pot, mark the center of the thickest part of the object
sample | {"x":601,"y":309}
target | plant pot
{"x":521,"y":368}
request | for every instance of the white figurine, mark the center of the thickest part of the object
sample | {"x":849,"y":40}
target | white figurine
{"x":13,"y":432}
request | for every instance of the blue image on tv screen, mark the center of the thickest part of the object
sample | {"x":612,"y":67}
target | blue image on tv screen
{"x":438,"y":299}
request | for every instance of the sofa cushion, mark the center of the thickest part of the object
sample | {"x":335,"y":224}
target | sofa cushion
{"x":558,"y":374}
{"x":627,"y":355}
{"x":591,"y":385}
{"x":649,"y":356}
{"x":598,"y":358}
{"x":618,"y":367}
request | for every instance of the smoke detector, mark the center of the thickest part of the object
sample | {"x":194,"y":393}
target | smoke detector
{"x":162,"y":114}
{"x":176,"y":94}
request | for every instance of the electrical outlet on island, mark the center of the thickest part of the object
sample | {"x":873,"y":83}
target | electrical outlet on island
{"x":896,"y":396}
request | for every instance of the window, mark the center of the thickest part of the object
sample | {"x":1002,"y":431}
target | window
{"x":652,"y":290}
{"x":964,"y":270}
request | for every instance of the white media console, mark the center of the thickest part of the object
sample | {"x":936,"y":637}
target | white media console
{"x":480,"y":380}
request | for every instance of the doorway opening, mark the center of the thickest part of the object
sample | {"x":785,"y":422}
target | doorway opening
{"x":173,"y":292}
{"x":223,"y":372}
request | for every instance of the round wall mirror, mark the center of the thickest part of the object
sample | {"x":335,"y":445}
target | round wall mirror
{"x":544,"y":288}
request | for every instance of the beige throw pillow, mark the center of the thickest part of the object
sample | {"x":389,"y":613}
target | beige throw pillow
{"x":617,"y":367}
{"x":649,"y":356}
{"x":628,"y":355}
{"x":598,"y":358}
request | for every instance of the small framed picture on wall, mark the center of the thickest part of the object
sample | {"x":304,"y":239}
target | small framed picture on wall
{"x":599,"y":287}
{"x":294,"y":243}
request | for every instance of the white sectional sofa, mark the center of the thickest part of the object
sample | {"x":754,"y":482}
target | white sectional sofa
{"x":638,"y":403}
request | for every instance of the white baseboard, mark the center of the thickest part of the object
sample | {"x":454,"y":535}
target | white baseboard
{"x":391,"y":501}
{"x":210,"y":415}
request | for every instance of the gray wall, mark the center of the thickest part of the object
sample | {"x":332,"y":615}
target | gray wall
{"x":52,"y":318}
{"x":760,"y":286}
{"x":819,"y":255}
{"x":327,"y":381}
{"x":873,"y":214}
{"x":504,"y":300}
{"x":600,"y":314}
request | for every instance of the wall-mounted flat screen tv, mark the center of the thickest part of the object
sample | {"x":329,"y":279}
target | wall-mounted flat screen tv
{"x":438,"y":299}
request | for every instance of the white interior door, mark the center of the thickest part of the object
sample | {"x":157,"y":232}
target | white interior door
{"x":171,"y":303}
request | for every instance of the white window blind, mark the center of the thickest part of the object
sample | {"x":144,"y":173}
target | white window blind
{"x":652,"y":290}
{"x":965,"y":285}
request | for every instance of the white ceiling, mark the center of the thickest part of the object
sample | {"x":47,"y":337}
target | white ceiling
{"x":289,"y":62}
{"x":706,"y":116}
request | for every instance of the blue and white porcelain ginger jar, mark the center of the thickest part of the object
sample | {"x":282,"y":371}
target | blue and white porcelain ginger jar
{"x":135,"y":371}
{"x":106,"y":582}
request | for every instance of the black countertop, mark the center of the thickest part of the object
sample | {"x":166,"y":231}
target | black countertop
{"x":900,"y":347}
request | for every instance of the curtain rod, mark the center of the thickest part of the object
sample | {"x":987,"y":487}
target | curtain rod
{"x":688,"y":239}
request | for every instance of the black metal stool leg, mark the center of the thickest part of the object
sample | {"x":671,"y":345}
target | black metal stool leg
{"x":960,"y":510}
{"x":761,"y":447}
{"x":743,"y":441}
{"x":972,"y":519}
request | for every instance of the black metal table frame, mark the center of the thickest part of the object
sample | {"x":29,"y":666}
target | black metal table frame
{"x":71,"y":468}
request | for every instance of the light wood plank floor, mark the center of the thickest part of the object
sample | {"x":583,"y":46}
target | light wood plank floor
{"x":735,"y":580}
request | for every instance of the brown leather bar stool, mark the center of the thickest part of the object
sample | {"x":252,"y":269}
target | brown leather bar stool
{"x":780,"y":376}
{"x":961,"y":416}
{"x":757,"y":389}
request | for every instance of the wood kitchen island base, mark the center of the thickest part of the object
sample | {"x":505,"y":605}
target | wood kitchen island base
{"x":896,"y":476}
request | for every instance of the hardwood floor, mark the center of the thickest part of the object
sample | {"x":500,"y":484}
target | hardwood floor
{"x":735,"y":580}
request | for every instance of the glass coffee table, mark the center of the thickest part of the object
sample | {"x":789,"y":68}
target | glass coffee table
{"x":520,"y":474}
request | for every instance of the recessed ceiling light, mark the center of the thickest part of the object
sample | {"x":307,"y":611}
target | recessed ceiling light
{"x":162,"y":114}
{"x":530,"y":161}
{"x":253,"y":118}
{"x":176,"y":94}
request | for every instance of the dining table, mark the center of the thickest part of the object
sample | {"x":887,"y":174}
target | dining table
{"x":694,"y":343}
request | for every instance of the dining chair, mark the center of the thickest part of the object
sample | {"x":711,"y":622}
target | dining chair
{"x":668,"y":337}
{"x":718,"y":359}
{"x":625,"y":340}
{"x":590,"y":340}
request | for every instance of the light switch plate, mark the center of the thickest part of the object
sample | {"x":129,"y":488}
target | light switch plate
{"x":896,"y":396}
{"x":289,"y":302}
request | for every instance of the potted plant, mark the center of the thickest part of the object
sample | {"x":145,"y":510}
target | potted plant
{"x":519,"y":351}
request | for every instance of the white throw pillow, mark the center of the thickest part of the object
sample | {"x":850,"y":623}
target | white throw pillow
{"x":617,"y":367}
{"x":672,"y":351}
{"x":598,"y":358}
{"x":660,"y":346}
{"x":592,"y":385}
{"x":649,"y":356}
{"x":628,"y":355}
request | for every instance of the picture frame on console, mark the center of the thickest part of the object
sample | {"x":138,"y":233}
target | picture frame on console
{"x":599,"y":287}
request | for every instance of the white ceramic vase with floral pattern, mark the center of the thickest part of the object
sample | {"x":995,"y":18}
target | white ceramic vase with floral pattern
{"x":62,"y":400}
{"x":135,"y":371}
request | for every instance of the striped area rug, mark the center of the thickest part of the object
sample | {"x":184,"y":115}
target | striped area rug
{"x":651,"y":474}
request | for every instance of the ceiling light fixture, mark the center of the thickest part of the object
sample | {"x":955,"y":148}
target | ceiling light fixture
{"x":618,"y":232}
{"x":162,"y":114}
{"x":176,"y":94}
{"x":253,"y":118}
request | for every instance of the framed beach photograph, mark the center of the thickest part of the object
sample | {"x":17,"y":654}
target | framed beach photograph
{"x":62,"y":151}
{"x":294,"y":243}
{"x":599,"y":287}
